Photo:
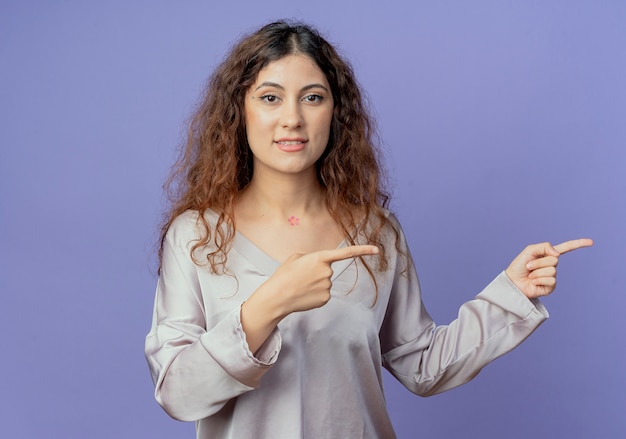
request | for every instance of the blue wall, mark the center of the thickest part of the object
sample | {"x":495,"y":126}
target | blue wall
{"x":503,"y":124}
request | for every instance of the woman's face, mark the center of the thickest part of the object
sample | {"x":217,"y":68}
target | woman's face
{"x":288,"y":113}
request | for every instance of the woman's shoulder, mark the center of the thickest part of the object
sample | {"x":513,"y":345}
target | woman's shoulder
{"x":391,"y":222}
{"x":188,"y":225}
{"x":390,"y":216}
{"x":383,"y":226}
{"x":392,"y":230}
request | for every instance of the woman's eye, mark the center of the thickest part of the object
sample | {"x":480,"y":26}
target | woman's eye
{"x":269,"y":98}
{"x":313,"y":98}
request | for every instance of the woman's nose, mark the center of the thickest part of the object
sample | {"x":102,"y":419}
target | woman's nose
{"x":291,"y":116}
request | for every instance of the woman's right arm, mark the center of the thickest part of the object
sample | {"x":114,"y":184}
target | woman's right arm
{"x":196,"y":370}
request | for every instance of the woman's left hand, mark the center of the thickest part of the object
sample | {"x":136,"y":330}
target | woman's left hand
{"x":533,"y":271}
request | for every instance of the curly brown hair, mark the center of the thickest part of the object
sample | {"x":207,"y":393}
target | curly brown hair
{"x":216,"y":161}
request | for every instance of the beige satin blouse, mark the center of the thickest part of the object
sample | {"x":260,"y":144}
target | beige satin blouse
{"x":319,"y":374}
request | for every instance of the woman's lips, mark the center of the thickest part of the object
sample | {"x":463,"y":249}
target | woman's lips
{"x":291,"y":145}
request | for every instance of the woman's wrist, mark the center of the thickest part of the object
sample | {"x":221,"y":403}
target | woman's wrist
{"x":260,"y":315}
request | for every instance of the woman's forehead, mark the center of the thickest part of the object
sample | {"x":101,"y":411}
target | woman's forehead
{"x":291,"y":70}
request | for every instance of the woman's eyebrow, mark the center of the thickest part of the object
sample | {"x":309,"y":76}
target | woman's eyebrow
{"x":310,"y":86}
{"x":280,"y":87}
{"x":269,"y":84}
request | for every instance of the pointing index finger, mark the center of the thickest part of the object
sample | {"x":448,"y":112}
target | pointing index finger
{"x":351,"y":251}
{"x":574,"y":244}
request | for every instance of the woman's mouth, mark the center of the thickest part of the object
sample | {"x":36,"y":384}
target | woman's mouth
{"x":291,"y":145}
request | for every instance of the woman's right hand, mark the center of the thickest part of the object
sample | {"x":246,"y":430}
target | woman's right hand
{"x":300,"y":283}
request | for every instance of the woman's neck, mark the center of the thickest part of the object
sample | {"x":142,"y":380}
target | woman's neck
{"x":282,"y":197}
{"x":284,"y":216}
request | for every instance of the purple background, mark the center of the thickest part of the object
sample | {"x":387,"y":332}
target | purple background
{"x":504,"y":123}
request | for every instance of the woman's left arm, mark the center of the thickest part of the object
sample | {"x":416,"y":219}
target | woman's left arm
{"x":430,"y":359}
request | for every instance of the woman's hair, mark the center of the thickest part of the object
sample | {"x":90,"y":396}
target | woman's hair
{"x":216,"y":161}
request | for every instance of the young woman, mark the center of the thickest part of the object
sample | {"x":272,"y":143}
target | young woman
{"x":285,"y":283}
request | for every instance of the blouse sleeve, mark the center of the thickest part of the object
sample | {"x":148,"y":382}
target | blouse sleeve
{"x":196,"y":370}
{"x":429,"y":359}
